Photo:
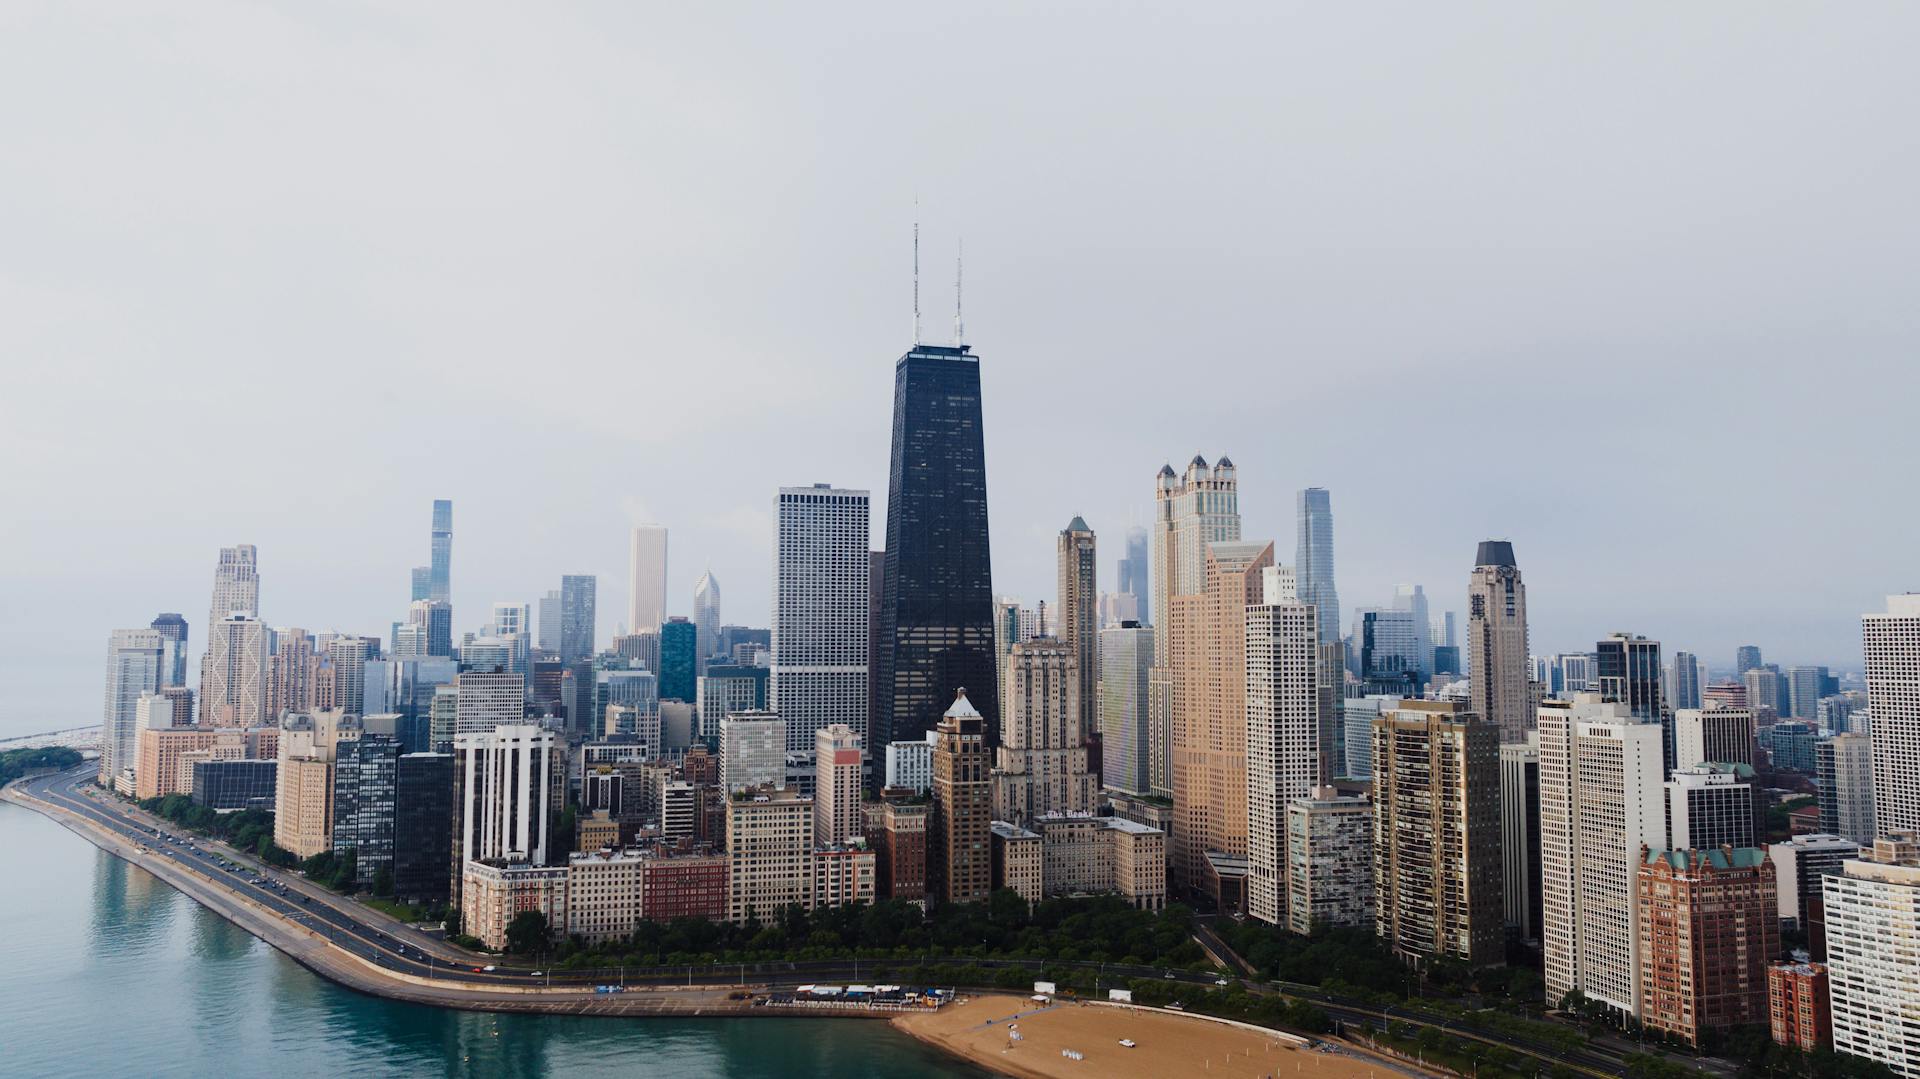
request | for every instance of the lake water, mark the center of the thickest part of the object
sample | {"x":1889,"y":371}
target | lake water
{"x":108,"y":970}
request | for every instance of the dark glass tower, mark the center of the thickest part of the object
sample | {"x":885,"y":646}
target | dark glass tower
{"x":936,"y":614}
{"x":1629,"y":672}
{"x":678,"y":659}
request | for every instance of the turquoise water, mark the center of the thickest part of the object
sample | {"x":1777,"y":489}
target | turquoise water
{"x":107,"y":970}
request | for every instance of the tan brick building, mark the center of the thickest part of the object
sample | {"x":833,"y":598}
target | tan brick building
{"x":1207,"y":657}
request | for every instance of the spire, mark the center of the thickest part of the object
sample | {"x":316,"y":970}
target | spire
{"x":916,"y":270}
{"x":959,"y":327}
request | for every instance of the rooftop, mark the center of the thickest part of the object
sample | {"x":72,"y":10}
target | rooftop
{"x":1719,"y":858}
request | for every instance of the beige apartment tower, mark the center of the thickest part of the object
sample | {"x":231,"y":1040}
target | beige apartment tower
{"x":1436,"y":833}
{"x":1497,"y":641}
{"x":1191,"y":511}
{"x":959,"y":854}
{"x":1207,"y":642}
{"x":1041,"y":763}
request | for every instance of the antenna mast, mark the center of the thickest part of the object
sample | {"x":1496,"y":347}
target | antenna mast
{"x":916,"y":272}
{"x":959,"y":327}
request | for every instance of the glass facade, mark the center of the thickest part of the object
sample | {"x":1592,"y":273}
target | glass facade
{"x":1313,"y":559}
{"x":423,"y":827}
{"x":679,"y":648}
{"x":440,"y":580}
{"x":576,"y":616}
{"x":231,"y":785}
{"x":937,"y":605}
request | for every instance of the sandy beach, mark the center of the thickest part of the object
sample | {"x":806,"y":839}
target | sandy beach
{"x":1168,"y":1043}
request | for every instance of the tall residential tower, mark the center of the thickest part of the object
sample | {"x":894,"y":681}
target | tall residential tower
{"x":1497,"y":641}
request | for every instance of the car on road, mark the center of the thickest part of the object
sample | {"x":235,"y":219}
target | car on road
{"x":476,"y":970}
{"x":1220,"y":981}
{"x":1170,"y":975}
{"x":535,"y":973}
{"x":491,"y":968}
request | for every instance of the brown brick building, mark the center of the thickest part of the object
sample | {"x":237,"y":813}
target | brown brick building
{"x":1800,"y":1009}
{"x":1709,"y":927}
{"x":896,"y":829}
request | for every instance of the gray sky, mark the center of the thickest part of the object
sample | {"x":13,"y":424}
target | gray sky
{"x":1628,"y":284}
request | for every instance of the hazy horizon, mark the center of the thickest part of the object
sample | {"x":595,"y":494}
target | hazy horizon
{"x":1625,"y":285}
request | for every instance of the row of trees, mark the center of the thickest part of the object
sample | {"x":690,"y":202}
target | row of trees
{"x":246,"y":829}
{"x":1103,"y":929}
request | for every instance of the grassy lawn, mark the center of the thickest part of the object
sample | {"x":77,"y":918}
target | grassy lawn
{"x":401,"y":911}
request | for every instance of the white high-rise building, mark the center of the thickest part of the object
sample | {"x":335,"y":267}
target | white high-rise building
{"x":647,"y":579}
{"x":910,"y":764}
{"x":1283,"y":711}
{"x":1712,"y":736}
{"x":136,"y":664}
{"x":1873,"y":953}
{"x":489,"y":699}
{"x":822,"y":579}
{"x":836,"y":785}
{"x":1892,"y":643}
{"x":1602,"y":795}
{"x":508,"y":775}
{"x":233,"y":679}
{"x":753,"y":750}
{"x":706,"y":619}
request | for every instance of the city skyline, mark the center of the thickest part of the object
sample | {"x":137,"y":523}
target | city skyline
{"x":823,"y":288}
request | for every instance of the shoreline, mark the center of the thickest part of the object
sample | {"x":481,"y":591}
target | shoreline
{"x":350,"y":971}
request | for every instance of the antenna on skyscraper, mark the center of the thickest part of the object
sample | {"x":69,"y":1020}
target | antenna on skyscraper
{"x":959,"y":327}
{"x":916,"y":270}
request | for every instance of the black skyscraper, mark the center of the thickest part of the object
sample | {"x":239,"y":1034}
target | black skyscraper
{"x":936,"y":617}
{"x":1629,"y":672}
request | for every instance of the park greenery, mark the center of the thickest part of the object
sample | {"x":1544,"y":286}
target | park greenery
{"x":15,"y":763}
{"x":335,"y":870}
{"x":1103,"y":929}
{"x":246,"y":829}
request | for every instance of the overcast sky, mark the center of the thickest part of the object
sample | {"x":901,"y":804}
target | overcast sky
{"x":1631,"y":285}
